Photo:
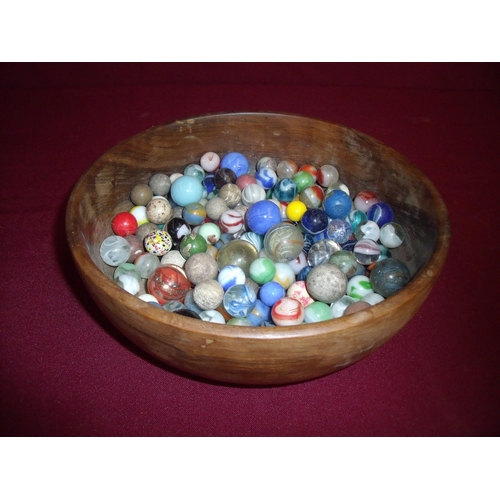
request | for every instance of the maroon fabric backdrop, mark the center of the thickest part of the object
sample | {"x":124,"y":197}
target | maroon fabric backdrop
{"x":66,"y":371}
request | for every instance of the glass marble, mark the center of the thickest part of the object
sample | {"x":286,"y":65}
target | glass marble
{"x":266,"y":177}
{"x":327,"y":175}
{"x":321,"y":252}
{"x":283,"y":242}
{"x":128,"y":283}
{"x":316,"y":312}
{"x":158,"y":242}
{"x":136,"y":246}
{"x":295,"y":210}
{"x":302,"y":275}
{"x":187,"y":313}
{"x":239,"y":300}
{"x":124,"y":224}
{"x":367,"y":229}
{"x":298,"y":290}
{"x":314,"y":221}
{"x":262,"y":270}
{"x":287,"y":312}
{"x":261,"y":216}
{"x":173,"y":257}
{"x":190,"y":303}
{"x":115,"y":250}
{"x":366,"y":251}
{"x":237,"y":253}
{"x":212,"y":316}
{"x":285,"y":190}
{"x":209,"y":183}
{"x":286,"y":169}
{"x":358,"y":286}
{"x":266,"y":161}
{"x":231,"y":221}
{"x":239,"y":322}
{"x":177,"y":228}
{"x":364,"y":200}
{"x":312,"y":196}
{"x":311,"y":169}
{"x":160,"y":184}
{"x":255,"y":239}
{"x":339,"y":230}
{"x":392,"y":235}
{"x":195,"y":170}
{"x":211,"y":232}
{"x":146,"y":263}
{"x":173,"y":305}
{"x":337,"y":204}
{"x":194,"y":213}
{"x":345,"y":261}
{"x":231,"y":275}
{"x":308,"y":241}
{"x":139,"y":212}
{"x":127,"y":268}
{"x":259,"y":314}
{"x":381,"y":213}
{"x":299,"y":263}
{"x":186,"y":190}
{"x":224,"y":176}
{"x":252,"y":193}
{"x":373,"y":298}
{"x":237,"y":162}
{"x":147,"y":297}
{"x":389,"y":276}
{"x":168,"y":282}
{"x":341,"y":305}
{"x":271,"y":292}
{"x":210,"y":161}
{"x":302,"y":179}
{"x":192,"y":244}
{"x":356,"y":217}
{"x":284,"y":274}
{"x":338,"y":186}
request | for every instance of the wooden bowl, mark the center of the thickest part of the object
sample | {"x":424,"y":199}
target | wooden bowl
{"x":261,"y":355}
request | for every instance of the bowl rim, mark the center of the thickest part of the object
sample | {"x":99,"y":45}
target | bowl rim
{"x":421,"y":283}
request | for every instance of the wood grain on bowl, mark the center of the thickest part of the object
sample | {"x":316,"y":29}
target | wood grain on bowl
{"x":247,"y":355}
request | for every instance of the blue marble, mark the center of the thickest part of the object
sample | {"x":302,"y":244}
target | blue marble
{"x":231,"y":275}
{"x":236,"y":162}
{"x":302,"y":276}
{"x":266,"y":177}
{"x":285,"y":190}
{"x":337,"y":204}
{"x":380,"y":213}
{"x":260,"y":313}
{"x":261,"y":216}
{"x":209,"y":183}
{"x":255,"y":239}
{"x":186,"y":190}
{"x":339,"y":230}
{"x":271,"y":292}
{"x":239,"y":300}
{"x":314,"y":221}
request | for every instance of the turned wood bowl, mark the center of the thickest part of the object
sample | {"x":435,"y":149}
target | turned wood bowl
{"x":260,"y":355}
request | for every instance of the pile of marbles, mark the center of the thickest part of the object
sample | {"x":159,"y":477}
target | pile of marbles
{"x":270,"y":245}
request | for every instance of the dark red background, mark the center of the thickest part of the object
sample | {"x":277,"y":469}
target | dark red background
{"x":66,"y":371}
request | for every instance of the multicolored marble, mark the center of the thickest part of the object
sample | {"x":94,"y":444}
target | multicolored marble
{"x":194,"y":213}
{"x":192,"y":244}
{"x":298,"y":290}
{"x":283,"y":242}
{"x":337,"y":204}
{"x":358,"y":286}
{"x":366,"y":251}
{"x":287,"y":312}
{"x":381,"y":213}
{"x":389,"y":276}
{"x":168,"y":282}
{"x":266,"y":177}
{"x":261,"y":216}
{"x":312,"y":196}
{"x":231,"y":221}
{"x":237,"y":162}
{"x":237,"y":253}
{"x":364,"y":200}
{"x":327,"y":175}
{"x":321,"y":252}
{"x":262,"y":270}
{"x":285,"y":190}
{"x":392,"y":235}
{"x":239,"y":300}
{"x":339,"y":230}
{"x":316,"y":312}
